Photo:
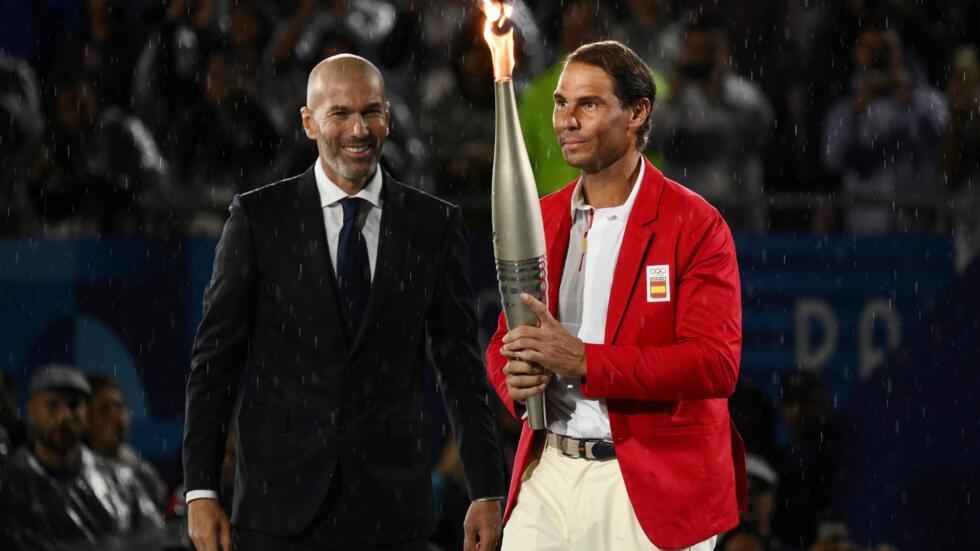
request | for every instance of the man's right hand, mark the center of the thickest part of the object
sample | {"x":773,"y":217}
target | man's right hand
{"x":525,"y":380}
{"x":208,"y":525}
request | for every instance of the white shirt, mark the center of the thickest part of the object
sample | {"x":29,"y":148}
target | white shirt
{"x":333,"y":213}
{"x":333,"y":220}
{"x":568,"y":411}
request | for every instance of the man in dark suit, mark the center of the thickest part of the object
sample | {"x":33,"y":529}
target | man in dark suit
{"x":326,"y":288}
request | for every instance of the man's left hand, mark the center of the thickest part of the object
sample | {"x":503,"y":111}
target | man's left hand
{"x":549,"y":345}
{"x":481,"y":528}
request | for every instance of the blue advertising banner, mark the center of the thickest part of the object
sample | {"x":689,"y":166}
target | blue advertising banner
{"x":115,"y":306}
{"x":835,"y":304}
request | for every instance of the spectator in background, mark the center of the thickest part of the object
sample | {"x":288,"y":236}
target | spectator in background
{"x":171,"y":61}
{"x":883,"y":139}
{"x":12,"y":433}
{"x":834,"y":535}
{"x":249,"y":29}
{"x":930,"y":32}
{"x":753,"y":413}
{"x":295,"y":42}
{"x":582,"y":21}
{"x":808,"y":466}
{"x":652,"y":31}
{"x":961,"y":154}
{"x":99,"y":170}
{"x":64,"y":494}
{"x":110,"y":420}
{"x":224,"y":143}
{"x":21,"y":126}
{"x":367,"y":22}
{"x":402,"y":53}
{"x":108,"y":55}
{"x":441,"y":22}
{"x":761,"y":506}
{"x":768,"y":39}
{"x":460,"y":117}
{"x":248,"y":50}
{"x":742,"y":538}
{"x":711,"y":130}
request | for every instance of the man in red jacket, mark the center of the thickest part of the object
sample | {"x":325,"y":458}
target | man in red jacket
{"x":638,"y":348}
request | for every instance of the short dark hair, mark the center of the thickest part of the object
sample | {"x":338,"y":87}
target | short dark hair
{"x":632,"y":78}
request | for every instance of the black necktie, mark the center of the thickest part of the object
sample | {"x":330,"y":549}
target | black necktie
{"x":353,"y":270}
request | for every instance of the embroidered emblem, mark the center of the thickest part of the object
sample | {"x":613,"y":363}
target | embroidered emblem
{"x":658,"y":283}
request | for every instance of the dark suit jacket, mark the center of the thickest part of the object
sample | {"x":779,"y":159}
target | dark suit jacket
{"x":313,"y":402}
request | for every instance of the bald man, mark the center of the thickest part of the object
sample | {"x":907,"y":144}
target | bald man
{"x":328,"y":289}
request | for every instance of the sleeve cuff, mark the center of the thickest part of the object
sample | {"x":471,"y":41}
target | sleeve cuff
{"x":200,"y":494}
{"x":495,"y":498}
{"x":590,"y":381}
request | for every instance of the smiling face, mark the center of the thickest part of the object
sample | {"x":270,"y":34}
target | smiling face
{"x":346,"y":114}
{"x":594,"y":128}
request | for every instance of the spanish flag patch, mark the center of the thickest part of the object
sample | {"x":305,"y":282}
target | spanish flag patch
{"x":658,"y":283}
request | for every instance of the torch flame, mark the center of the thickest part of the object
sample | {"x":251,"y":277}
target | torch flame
{"x":501,"y":41}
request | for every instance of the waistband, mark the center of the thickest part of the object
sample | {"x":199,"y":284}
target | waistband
{"x":592,"y":449}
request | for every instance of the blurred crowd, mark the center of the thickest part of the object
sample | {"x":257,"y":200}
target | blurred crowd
{"x":70,"y":480}
{"x":145,"y":117}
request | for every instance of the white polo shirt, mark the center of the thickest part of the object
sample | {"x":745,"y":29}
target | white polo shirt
{"x":593,"y":250}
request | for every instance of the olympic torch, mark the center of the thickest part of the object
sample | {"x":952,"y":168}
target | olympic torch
{"x":518,"y":232}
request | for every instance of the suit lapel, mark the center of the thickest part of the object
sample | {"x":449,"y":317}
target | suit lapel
{"x":397,"y":227}
{"x":636,"y":241}
{"x":313,"y":233}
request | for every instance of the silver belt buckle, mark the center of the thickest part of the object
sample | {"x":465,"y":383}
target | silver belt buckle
{"x":587,"y":450}
{"x":573,"y":447}
{"x":561,"y":442}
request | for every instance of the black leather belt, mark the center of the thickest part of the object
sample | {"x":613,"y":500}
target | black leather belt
{"x":593,"y":449}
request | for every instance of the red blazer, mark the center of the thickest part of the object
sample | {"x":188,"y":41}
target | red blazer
{"x":670,"y":364}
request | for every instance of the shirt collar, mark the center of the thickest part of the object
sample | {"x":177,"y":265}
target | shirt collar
{"x":578,"y":197}
{"x":331,"y":194}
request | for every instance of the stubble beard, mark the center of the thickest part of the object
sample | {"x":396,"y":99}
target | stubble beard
{"x":61,"y":440}
{"x":351,"y":171}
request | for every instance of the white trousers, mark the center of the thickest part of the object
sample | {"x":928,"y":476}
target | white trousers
{"x":575,"y":504}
